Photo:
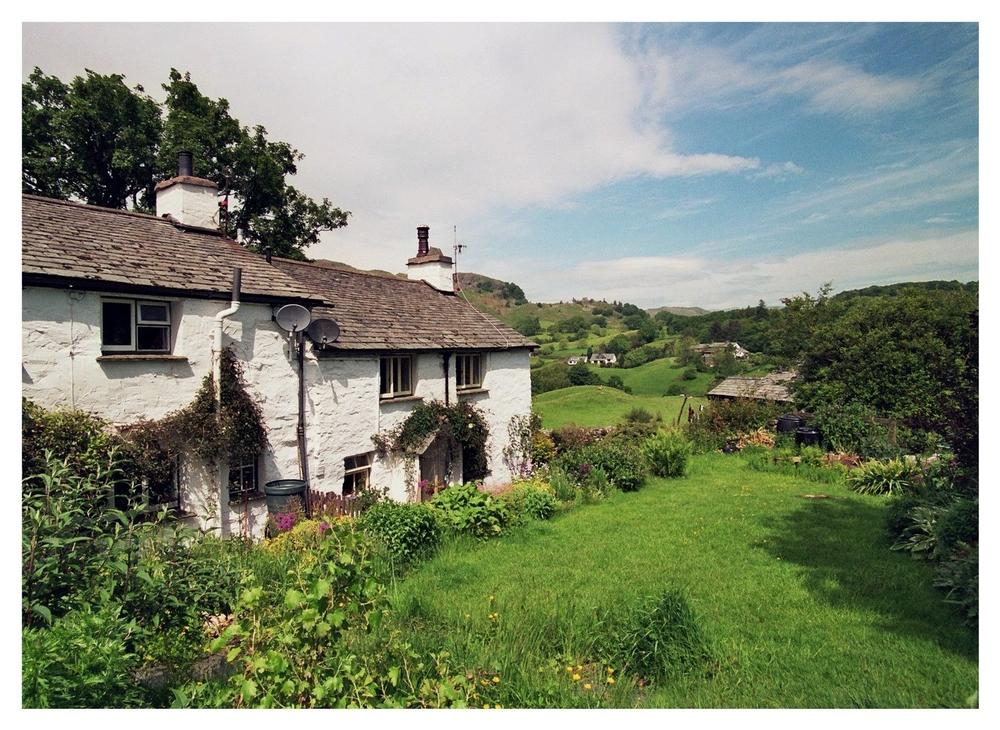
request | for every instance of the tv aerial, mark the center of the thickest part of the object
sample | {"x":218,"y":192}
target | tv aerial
{"x":323,"y":331}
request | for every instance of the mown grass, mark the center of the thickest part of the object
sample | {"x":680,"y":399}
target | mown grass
{"x":801,"y":601}
{"x":598,"y":405}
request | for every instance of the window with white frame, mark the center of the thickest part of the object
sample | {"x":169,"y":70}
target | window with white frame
{"x":468,"y":371}
{"x":357,"y":473}
{"x":135,"y":325}
{"x":242,"y":479}
{"x":395,"y":376}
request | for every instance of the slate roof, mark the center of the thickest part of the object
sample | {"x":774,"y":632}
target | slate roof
{"x":379,"y":312}
{"x":71,"y":243}
{"x":773,"y":387}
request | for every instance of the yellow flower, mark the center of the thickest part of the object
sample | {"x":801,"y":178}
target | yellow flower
{"x":496,"y":707}
{"x":496,"y":680}
{"x":486,"y":706}
{"x":579,"y":667}
{"x":576,"y":677}
{"x":611,"y":680}
{"x":587,"y":686}
{"x":569,"y":669}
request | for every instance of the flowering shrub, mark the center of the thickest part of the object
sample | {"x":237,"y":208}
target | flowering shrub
{"x":284,"y":521}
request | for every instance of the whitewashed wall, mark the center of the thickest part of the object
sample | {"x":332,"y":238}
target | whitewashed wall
{"x":61,"y":343}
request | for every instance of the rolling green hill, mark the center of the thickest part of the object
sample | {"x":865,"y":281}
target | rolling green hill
{"x":654,"y":378}
{"x":597,"y":405}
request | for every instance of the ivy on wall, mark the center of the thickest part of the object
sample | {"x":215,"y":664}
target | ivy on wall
{"x":144,"y":452}
{"x":463,"y":421}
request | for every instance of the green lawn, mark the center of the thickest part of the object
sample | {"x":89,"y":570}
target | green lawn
{"x":598,"y":405}
{"x":801,"y":600}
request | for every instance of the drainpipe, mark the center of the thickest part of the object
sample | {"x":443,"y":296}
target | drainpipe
{"x":445,"y":358}
{"x":301,"y":430}
{"x":234,"y":307}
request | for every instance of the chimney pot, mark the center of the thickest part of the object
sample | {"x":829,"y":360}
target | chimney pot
{"x":185,"y":164}
{"x":423,"y":240}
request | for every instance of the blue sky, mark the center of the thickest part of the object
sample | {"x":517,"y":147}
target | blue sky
{"x":705,"y":164}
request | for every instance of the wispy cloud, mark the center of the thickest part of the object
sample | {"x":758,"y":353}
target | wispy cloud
{"x":778,"y":171}
{"x":684,"y":208}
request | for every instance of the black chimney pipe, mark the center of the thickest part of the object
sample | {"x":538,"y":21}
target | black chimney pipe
{"x":185,"y":164}
{"x":423,"y":240}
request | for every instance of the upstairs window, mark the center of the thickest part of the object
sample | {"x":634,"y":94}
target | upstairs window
{"x":468,"y":372}
{"x":135,"y":325}
{"x":357,"y":473}
{"x":395,"y":376}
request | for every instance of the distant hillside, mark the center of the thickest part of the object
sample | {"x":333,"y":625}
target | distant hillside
{"x":679,"y":311}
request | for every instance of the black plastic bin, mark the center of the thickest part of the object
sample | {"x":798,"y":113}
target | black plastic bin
{"x":281,"y":492}
{"x":805,"y":436}
{"x":789,"y":423}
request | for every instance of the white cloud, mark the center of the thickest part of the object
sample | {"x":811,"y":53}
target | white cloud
{"x":700,"y":281}
{"x":412,"y":124}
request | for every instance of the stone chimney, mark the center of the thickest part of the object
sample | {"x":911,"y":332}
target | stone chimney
{"x":190,"y":200}
{"x":430,"y":264}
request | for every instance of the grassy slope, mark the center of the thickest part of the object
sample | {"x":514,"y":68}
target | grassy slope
{"x":802,"y":600}
{"x":653,"y":378}
{"x":597,"y":405}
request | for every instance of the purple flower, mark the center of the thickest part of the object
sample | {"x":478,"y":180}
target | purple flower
{"x":284,"y":521}
{"x":323,"y":527}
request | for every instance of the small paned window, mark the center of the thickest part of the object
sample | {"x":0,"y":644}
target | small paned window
{"x":129,"y":325}
{"x":395,"y":376}
{"x":357,"y":473}
{"x":468,"y":372}
{"x":242,"y":479}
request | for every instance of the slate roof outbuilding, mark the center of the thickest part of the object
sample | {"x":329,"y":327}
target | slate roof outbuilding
{"x":773,"y":387}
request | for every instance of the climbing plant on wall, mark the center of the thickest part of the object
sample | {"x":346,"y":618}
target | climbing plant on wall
{"x":463,"y":421}
{"x":146,"y":449}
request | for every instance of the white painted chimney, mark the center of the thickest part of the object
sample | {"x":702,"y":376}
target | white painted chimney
{"x":430,"y":264}
{"x":190,"y":200}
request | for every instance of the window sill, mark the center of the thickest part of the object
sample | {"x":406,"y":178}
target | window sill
{"x":248,"y":497}
{"x":401,"y":399}
{"x":133,"y":357}
{"x":472,"y":391}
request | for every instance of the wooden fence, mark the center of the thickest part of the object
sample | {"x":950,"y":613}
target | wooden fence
{"x":331,"y":503}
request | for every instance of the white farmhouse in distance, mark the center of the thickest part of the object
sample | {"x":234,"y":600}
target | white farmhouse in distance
{"x":119,"y":312}
{"x":604,"y":359}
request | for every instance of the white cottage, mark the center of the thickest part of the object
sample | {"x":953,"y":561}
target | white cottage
{"x":121,"y":312}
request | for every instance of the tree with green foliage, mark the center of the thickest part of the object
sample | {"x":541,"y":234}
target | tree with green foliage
{"x":581,"y":374}
{"x":911,"y":357}
{"x":97,"y":140}
{"x":528,"y":325}
{"x":94,"y":139}
{"x":648,"y":330}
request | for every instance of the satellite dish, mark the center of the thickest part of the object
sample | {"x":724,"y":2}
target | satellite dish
{"x":323,"y":331}
{"x":292,"y":317}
